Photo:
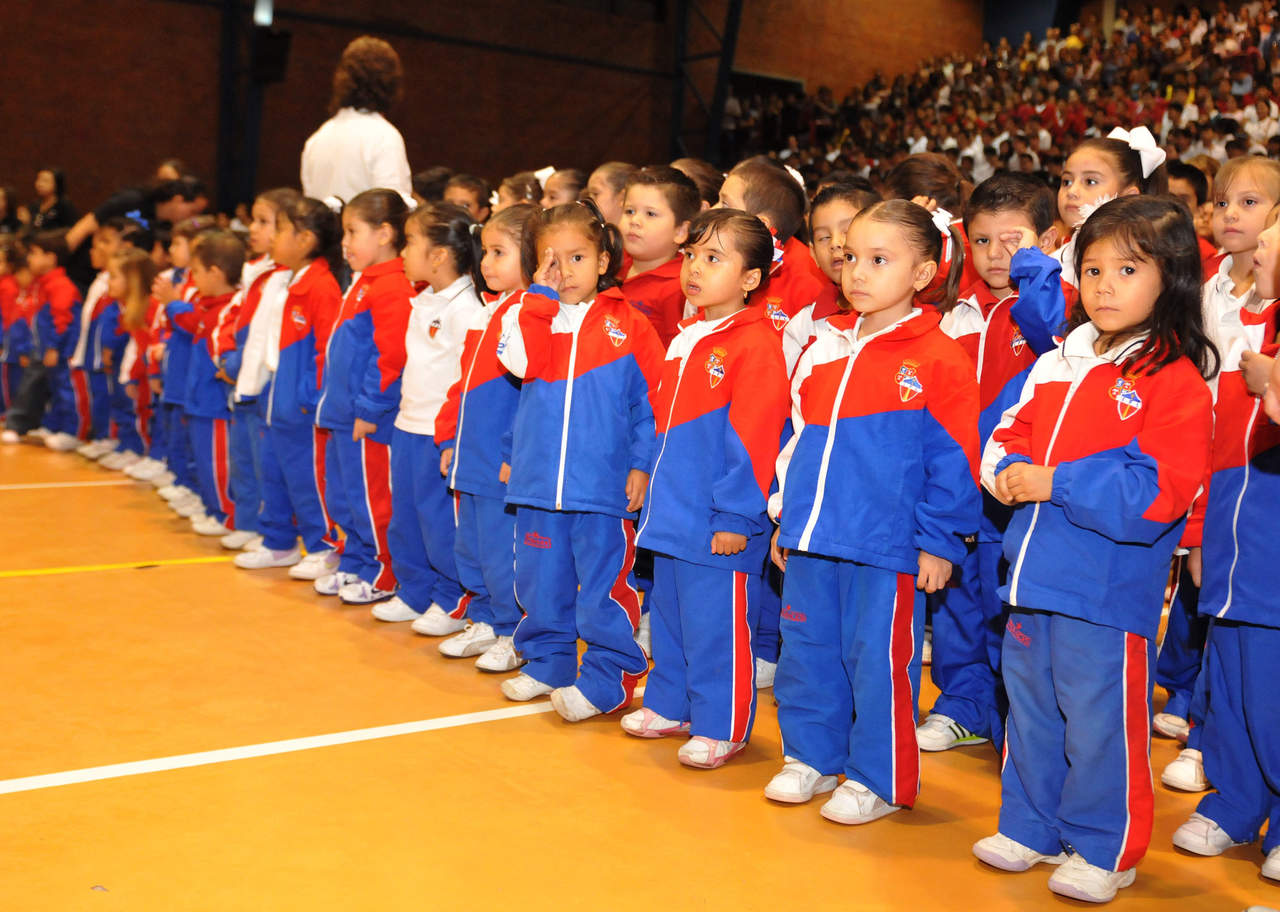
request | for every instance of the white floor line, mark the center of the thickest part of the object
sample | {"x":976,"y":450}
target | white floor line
{"x":226,"y":755}
{"x":66,"y":484}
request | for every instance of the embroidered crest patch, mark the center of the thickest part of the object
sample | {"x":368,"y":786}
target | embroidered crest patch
{"x":777,"y":316}
{"x":613,"y":329}
{"x":433,"y":328}
{"x":1128,"y":402}
{"x":1018,"y":342}
{"x":909,"y":385}
{"x":715,"y":365}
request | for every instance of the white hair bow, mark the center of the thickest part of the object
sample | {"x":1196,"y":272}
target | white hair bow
{"x":942,"y":220}
{"x":1140,"y":140}
{"x":544,"y":174}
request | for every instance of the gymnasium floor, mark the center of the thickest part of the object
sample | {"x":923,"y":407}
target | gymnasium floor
{"x":126,"y":638}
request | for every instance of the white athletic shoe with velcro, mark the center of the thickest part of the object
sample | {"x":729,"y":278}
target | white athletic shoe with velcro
{"x":798,"y":782}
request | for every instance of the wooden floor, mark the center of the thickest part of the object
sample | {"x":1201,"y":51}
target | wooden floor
{"x":177,"y":652}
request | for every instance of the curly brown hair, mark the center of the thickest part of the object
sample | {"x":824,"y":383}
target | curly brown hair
{"x":368,"y":76}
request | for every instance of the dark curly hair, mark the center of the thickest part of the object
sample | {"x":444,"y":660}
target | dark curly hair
{"x":368,"y":76}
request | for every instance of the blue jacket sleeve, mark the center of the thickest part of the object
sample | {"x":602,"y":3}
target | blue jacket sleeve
{"x":230,"y":361}
{"x":950,"y":501}
{"x":1040,"y":310}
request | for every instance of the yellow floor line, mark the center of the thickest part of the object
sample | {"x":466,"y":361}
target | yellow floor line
{"x":130,"y":565}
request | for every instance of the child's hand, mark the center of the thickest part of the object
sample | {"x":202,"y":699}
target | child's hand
{"x":361,"y":428}
{"x":1256,"y":369}
{"x":927,"y":201}
{"x":779,"y":555}
{"x":108,"y":357}
{"x":1020,"y":238}
{"x":157,"y":387}
{"x":24,"y":361}
{"x":222,"y":375}
{"x":934,"y":572}
{"x":504,"y":473}
{"x":1195,"y":564}
{"x":548,"y":271}
{"x":1027,"y":483}
{"x":727,"y":543}
{"x":446,"y":460}
{"x":132,"y":392}
{"x":637,"y":485}
{"x":162,"y":289}
{"x":51,"y":358}
{"x":1272,"y":399}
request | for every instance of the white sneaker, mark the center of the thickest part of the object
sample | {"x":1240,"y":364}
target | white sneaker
{"x":362,"y":592}
{"x":472,"y":641}
{"x":1271,"y":867}
{"x":332,"y":583}
{"x":39,"y":433}
{"x":100,"y":447}
{"x":121,"y":459}
{"x":435,"y":622}
{"x":645,"y":723}
{"x":523,"y":688}
{"x":1007,"y":854}
{"x":501,"y":656}
{"x":265,"y":558}
{"x":172,"y":492}
{"x":87,"y":449}
{"x":853,"y":803}
{"x":926,"y":649}
{"x":1171,"y":726}
{"x":188,"y":506}
{"x":644,"y":635}
{"x":1186,"y":772}
{"x":236,"y":541}
{"x":940,"y":733}
{"x":394,"y":611}
{"x":61,"y":442}
{"x":8,"y":435}
{"x":209,"y":526}
{"x":572,"y":705}
{"x":1077,"y":879}
{"x":765,"y":673}
{"x":798,"y":782}
{"x":111,"y":460}
{"x":315,"y":565}
{"x":1202,"y":836}
{"x":162,"y":478}
{"x":145,"y":469}
{"x":708,"y":753}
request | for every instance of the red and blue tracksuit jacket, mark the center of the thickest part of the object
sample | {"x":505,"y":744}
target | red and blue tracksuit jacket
{"x":365,"y":355}
{"x":309,"y":311}
{"x":211,"y":322}
{"x":803,"y":329}
{"x":795,"y":282}
{"x":15,"y":325}
{"x":180,"y":322}
{"x":585,"y":418}
{"x":1240,"y":502}
{"x":56,"y":326}
{"x":883,"y":462}
{"x":480,"y":409}
{"x":1129,"y":452}
{"x":657,"y":294}
{"x":254,"y":278}
{"x":720,"y":409}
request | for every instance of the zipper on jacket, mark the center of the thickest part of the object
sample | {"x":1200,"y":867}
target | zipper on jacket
{"x":820,"y":491}
{"x":1235,"y":517}
{"x":568,"y":403}
{"x":1016,"y":573}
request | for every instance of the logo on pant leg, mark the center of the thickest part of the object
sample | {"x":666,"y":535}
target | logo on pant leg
{"x":534,"y":540}
{"x":1015,"y":631}
{"x":791,"y":614}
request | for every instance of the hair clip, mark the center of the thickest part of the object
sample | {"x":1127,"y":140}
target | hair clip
{"x":1140,"y":140}
{"x":476,"y":228}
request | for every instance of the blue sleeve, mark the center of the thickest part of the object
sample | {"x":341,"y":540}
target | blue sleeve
{"x":373,"y":403}
{"x":231,"y":360}
{"x":950,"y":502}
{"x":643,"y":432}
{"x":1041,"y":309}
{"x":1109,"y":492}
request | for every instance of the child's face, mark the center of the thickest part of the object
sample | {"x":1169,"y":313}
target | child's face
{"x":881,"y":270}
{"x":160,"y":256}
{"x":115,"y":282}
{"x":1240,"y":213}
{"x":363,"y":244}
{"x":557,"y":192}
{"x":422,"y":259}
{"x":1118,"y":291}
{"x":106,"y":241}
{"x":733,"y":193}
{"x":262,"y":227}
{"x":500,"y":264}
{"x":990,"y":256}
{"x":46,"y":184}
{"x":506,"y":198}
{"x":830,"y":224}
{"x":649,"y":229}
{"x":581,"y":261}
{"x":1089,"y":178}
{"x":714,"y":277}
{"x":469,"y":200}
{"x":209,"y":280}
{"x":291,"y":247}
{"x":41,"y":261}
{"x":1266,"y":260}
{"x":607,"y":200}
{"x":180,"y":252}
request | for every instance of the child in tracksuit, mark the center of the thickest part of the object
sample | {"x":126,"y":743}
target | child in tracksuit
{"x":470,"y":429}
{"x":55,"y":332}
{"x":441,"y":250}
{"x":1102,"y":454}
{"x":876,"y":495}
{"x":720,"y":409}
{"x":1004,"y":321}
{"x":291,"y":452}
{"x":88,"y":375}
{"x":13,"y":327}
{"x":360,"y":395}
{"x":657,"y":205}
{"x":583,"y":443}
{"x":216,"y":263}
{"x":1240,"y":734}
{"x":121,"y":334}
